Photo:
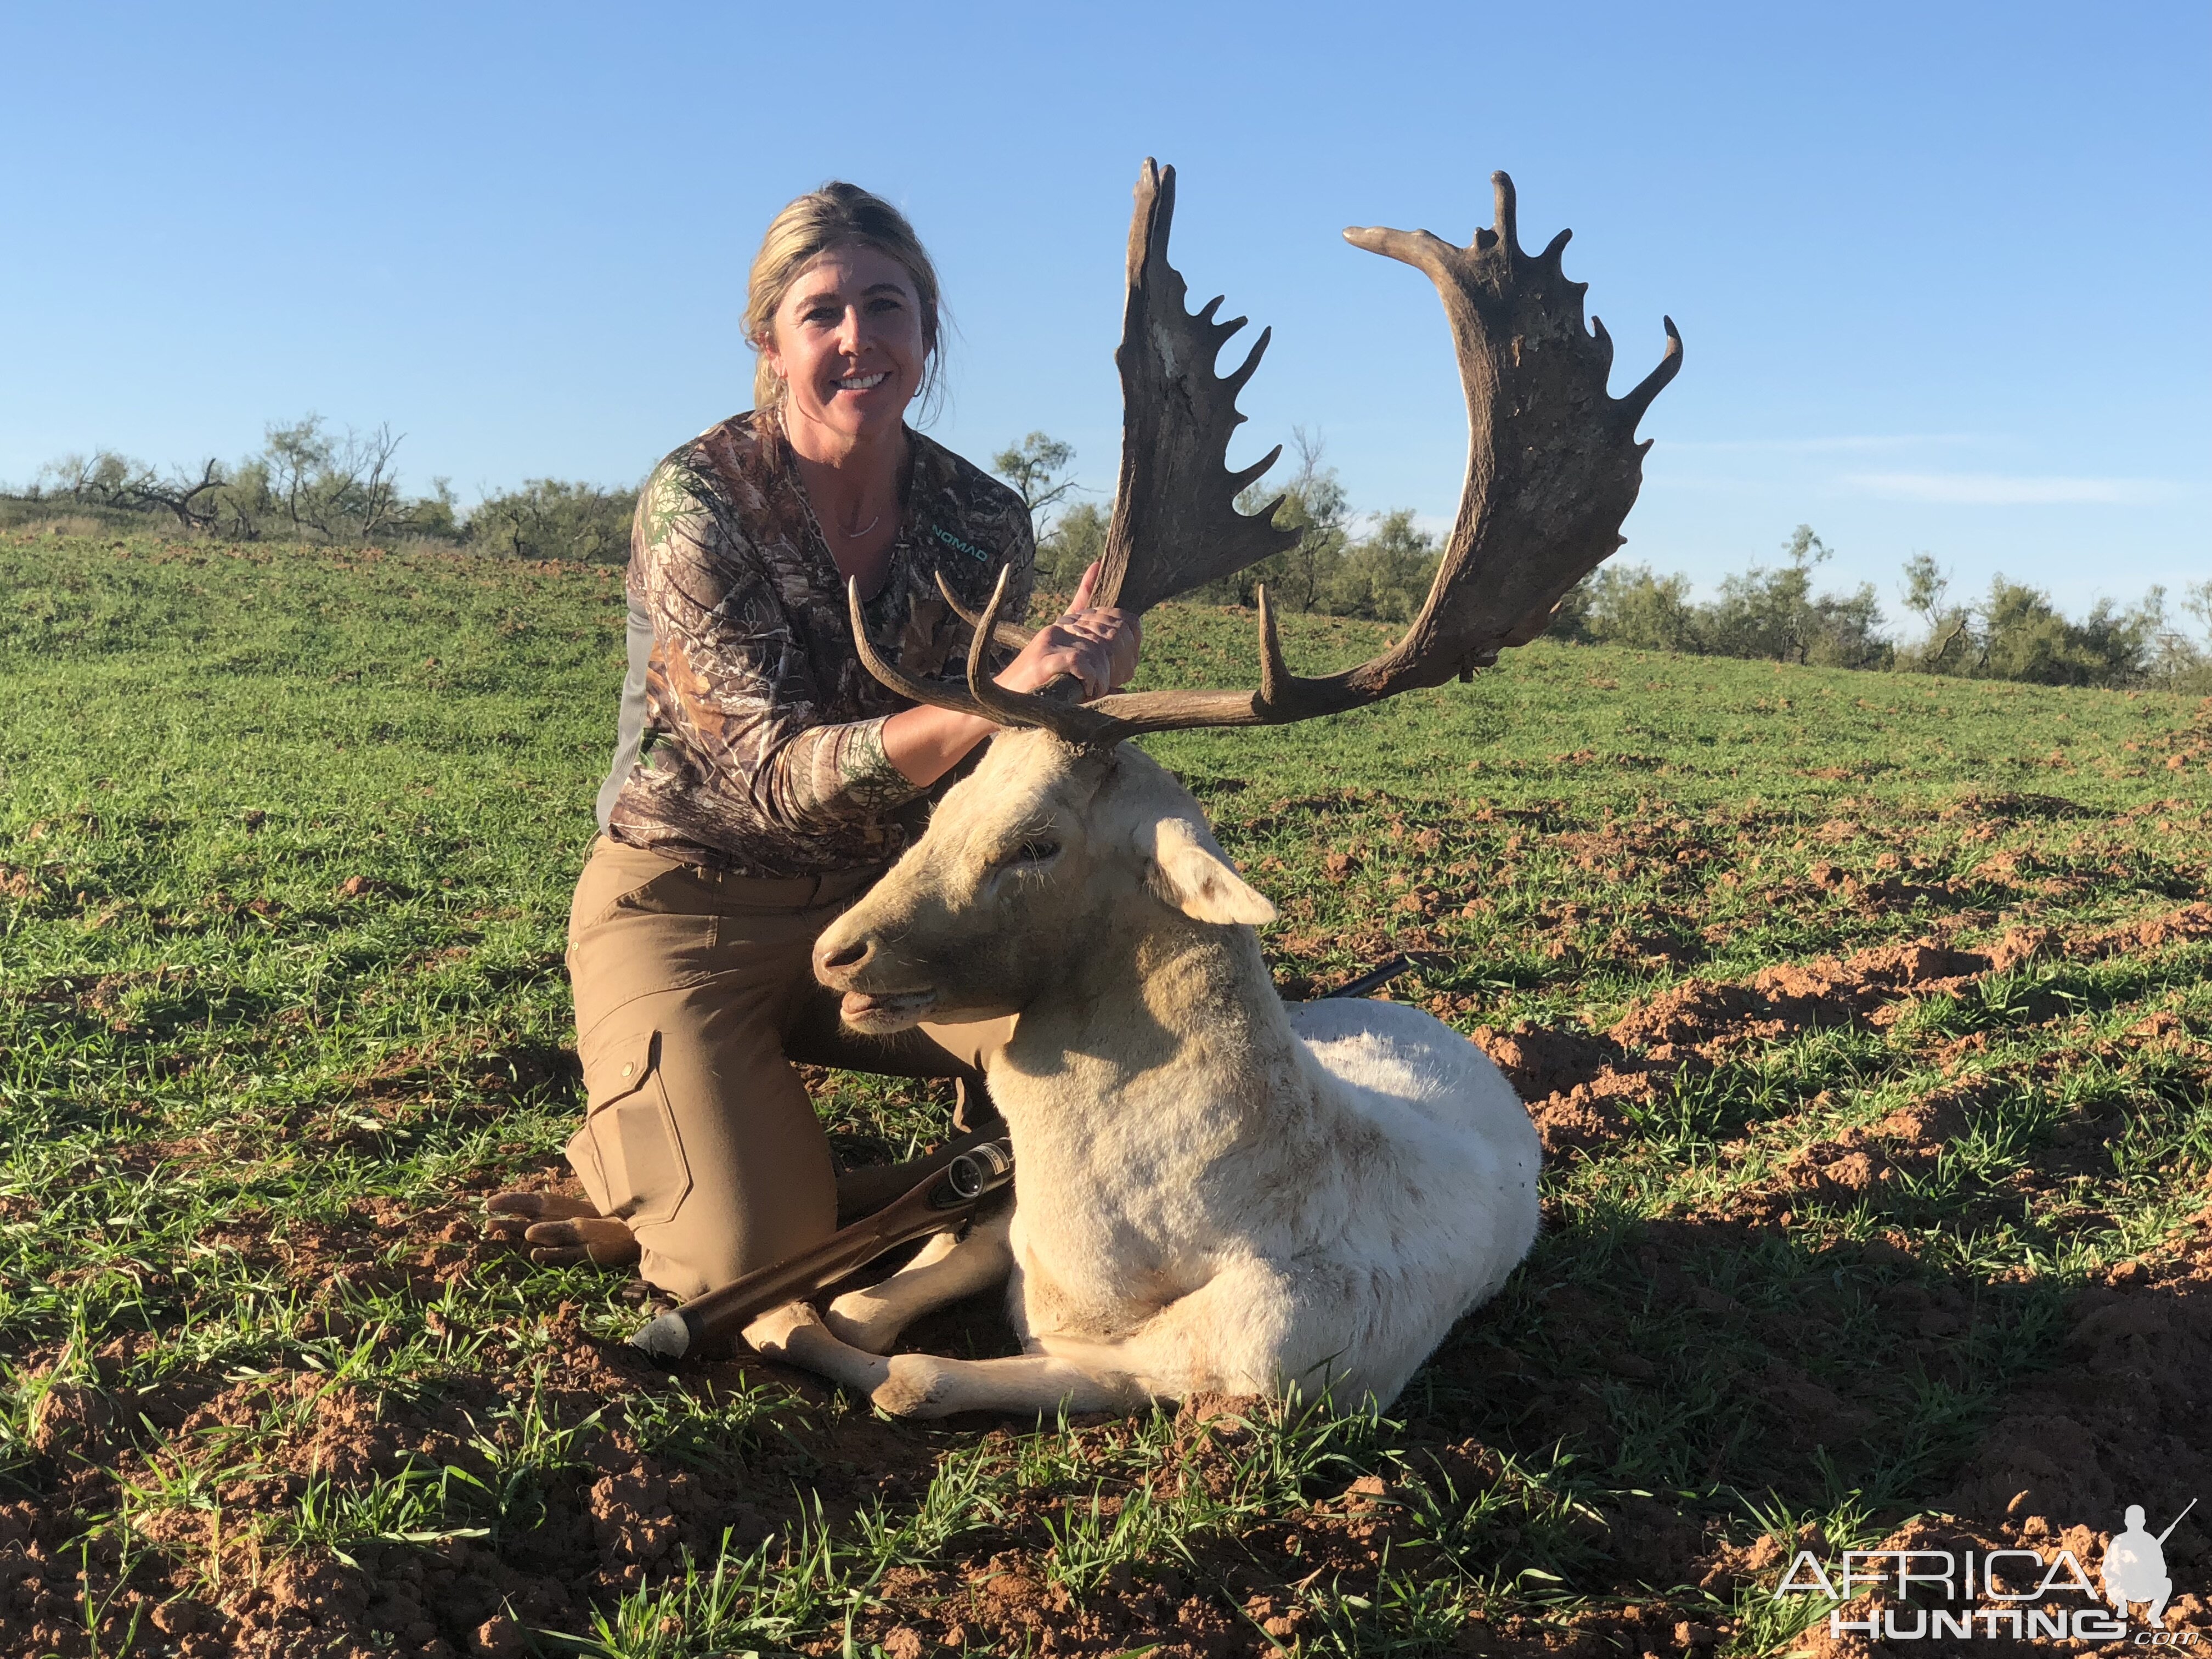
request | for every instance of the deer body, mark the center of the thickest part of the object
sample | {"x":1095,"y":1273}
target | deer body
{"x":1364,"y":1170}
{"x":1216,"y":1192}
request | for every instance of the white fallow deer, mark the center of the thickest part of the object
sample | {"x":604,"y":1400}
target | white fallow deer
{"x":1219,"y":1191}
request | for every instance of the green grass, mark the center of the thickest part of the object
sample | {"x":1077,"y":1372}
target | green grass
{"x":286,"y":845}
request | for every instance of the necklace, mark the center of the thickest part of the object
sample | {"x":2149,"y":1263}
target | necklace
{"x":855,"y":535}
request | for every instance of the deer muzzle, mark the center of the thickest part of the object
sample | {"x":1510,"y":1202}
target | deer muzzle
{"x":846,"y":960}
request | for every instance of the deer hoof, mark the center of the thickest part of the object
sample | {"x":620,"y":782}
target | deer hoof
{"x":918,"y":1386}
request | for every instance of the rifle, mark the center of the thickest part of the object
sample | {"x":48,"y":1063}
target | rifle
{"x":938,"y":1201}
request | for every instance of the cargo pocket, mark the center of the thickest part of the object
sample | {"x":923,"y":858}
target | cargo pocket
{"x":627,"y":1154}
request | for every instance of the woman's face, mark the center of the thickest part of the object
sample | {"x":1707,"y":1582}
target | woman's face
{"x":848,"y":344}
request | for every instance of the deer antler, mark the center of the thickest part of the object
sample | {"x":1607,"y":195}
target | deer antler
{"x":1175,"y":526}
{"x":1553,"y":467}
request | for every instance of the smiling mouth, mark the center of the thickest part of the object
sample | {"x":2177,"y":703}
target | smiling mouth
{"x":885,"y":1011}
{"x":862,"y":382}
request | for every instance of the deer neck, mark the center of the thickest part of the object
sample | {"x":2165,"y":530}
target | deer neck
{"x":1163,"y":1030}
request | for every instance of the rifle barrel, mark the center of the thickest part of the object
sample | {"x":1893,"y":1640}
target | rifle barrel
{"x":2177,"y":1520}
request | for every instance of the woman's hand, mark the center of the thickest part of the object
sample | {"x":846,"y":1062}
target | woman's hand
{"x":1096,"y":646}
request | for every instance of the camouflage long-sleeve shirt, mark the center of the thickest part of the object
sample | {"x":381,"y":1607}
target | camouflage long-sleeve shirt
{"x":762,"y":747}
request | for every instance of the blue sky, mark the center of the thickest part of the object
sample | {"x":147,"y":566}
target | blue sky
{"x":1941,"y":270}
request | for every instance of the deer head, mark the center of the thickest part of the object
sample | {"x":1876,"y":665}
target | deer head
{"x":1553,"y":466}
{"x":1028,"y":864}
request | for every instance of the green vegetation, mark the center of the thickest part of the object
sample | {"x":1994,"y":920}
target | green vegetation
{"x":1769,"y":612}
{"x":312,"y":483}
{"x":1865,"y":1016}
{"x":2015,"y":633}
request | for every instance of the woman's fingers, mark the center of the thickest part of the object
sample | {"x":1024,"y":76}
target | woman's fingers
{"x":1081,"y":659}
{"x":538,"y":1206}
{"x":1086,"y":658}
{"x":1119,"y":633}
{"x":1097,"y":645}
{"x":1122,"y":649}
{"x":599,"y":1239}
{"x":1082,"y":589}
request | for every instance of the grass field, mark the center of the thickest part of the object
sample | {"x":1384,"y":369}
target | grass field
{"x":1865,"y":1018}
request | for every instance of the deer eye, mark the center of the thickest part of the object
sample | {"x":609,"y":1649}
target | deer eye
{"x":1038,"y":849}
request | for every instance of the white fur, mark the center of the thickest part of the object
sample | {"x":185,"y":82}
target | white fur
{"x":1216,"y":1192}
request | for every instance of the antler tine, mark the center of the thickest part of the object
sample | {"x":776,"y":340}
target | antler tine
{"x":1553,"y":466}
{"x":1670,"y":364}
{"x":935,"y":693}
{"x":1005,"y":633}
{"x":1507,"y":231}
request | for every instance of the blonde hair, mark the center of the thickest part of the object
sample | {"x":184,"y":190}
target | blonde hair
{"x":838,"y":215}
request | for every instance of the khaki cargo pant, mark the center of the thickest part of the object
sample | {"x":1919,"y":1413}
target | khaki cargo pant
{"x":694,"y":993}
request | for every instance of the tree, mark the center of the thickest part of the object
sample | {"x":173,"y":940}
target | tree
{"x":1772,"y":612}
{"x":1064,"y":546}
{"x":1077,"y":538}
{"x":1033,"y":467}
{"x":338,"y":486}
{"x":180,"y":492}
{"x":1927,"y":595}
{"x":549,"y":520}
{"x":2196,"y":601}
{"x":2177,"y":662}
{"x":296,"y":457}
{"x":2025,"y":638}
{"x":1385,"y":575}
{"x":1629,"y":604}
{"x":94,"y":480}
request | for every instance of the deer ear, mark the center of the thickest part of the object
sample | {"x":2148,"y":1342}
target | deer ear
{"x":1189,"y":871}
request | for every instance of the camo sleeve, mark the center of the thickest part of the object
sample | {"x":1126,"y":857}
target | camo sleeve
{"x":732,"y":679}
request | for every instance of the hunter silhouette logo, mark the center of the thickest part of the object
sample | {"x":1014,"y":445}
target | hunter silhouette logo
{"x":2013,"y":1583}
{"x":2135,"y":1567}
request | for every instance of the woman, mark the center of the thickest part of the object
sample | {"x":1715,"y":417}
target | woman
{"x":763,"y":779}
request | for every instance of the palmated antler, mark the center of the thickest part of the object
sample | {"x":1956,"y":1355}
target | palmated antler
{"x":1553,"y":466}
{"x":1175,"y":526}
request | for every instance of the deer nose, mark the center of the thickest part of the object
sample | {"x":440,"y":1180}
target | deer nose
{"x":849,"y":955}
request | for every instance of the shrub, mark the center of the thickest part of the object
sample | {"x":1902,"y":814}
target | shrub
{"x":549,"y":520}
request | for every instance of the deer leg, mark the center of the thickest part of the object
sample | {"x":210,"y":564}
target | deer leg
{"x":1028,"y":1385}
{"x":1225,"y":1335}
{"x":949,"y":1267}
{"x":923,"y":1385}
{"x":795,"y":1335}
{"x":1253,"y":1327}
